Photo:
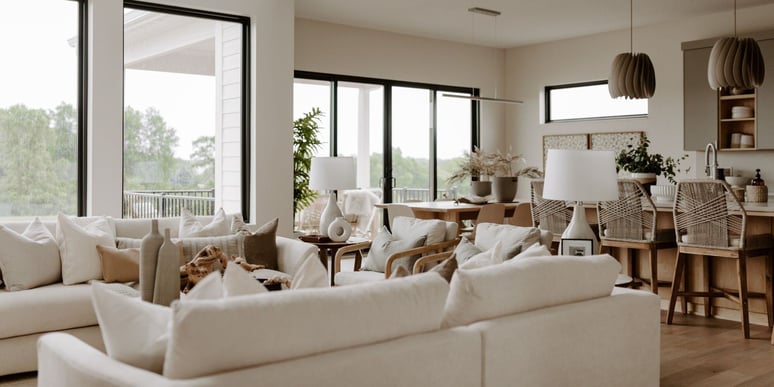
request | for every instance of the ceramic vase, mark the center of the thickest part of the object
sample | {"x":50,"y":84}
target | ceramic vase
{"x":481,"y":188}
{"x":331,"y":212}
{"x":339,"y":230}
{"x":167,"y":286}
{"x":149,"y":251}
{"x":504,"y":188}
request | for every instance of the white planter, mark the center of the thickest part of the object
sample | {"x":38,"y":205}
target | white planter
{"x":663,"y":193}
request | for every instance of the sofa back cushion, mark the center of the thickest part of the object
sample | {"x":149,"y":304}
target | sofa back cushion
{"x":29,"y":259}
{"x":249,"y":331}
{"x":527,"y":284}
{"x":437,"y":231}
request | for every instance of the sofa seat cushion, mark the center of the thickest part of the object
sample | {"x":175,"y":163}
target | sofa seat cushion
{"x":44,"y":309}
{"x":357,"y":277}
{"x":242,"y":332}
{"x":527,"y":284}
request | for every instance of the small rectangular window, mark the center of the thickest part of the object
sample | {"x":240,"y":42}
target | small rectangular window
{"x":589,"y":101}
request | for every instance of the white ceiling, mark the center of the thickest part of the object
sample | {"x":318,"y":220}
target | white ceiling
{"x":522,"y":22}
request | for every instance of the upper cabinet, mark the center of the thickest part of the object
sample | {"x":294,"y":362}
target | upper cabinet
{"x":734,"y":119}
{"x":700,"y":103}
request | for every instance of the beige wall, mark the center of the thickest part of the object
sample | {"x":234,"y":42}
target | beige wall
{"x":530,"y":68}
{"x":338,"y":49}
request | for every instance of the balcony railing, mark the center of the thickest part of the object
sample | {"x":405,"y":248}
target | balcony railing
{"x":161,"y":204}
{"x":405,"y":194}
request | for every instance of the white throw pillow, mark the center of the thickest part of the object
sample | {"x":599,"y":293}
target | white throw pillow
{"x":190,"y":227}
{"x":489,"y":257}
{"x":311,"y":274}
{"x":78,"y":248}
{"x":31,"y":259}
{"x":242,"y":332}
{"x":514,"y":239}
{"x":135,"y":332}
{"x":536,"y":250}
{"x":527,"y":284}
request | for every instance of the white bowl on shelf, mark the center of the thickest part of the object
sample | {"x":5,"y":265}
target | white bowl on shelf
{"x":738,"y":181}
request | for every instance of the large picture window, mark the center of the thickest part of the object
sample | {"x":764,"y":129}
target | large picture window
{"x":185,"y":115}
{"x":406,"y":137}
{"x":589,"y":101}
{"x":40,"y":130}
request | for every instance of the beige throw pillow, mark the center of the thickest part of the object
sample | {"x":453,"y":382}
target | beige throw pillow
{"x":490,"y":257}
{"x":384,"y":245}
{"x":78,"y":247}
{"x":29,"y":260}
{"x":400,"y":272}
{"x":514,"y":239}
{"x":119,"y":265}
{"x":191,"y":227}
{"x":260,"y":247}
{"x":446,"y":268}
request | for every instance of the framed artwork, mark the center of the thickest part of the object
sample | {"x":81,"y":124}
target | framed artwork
{"x":577,"y":247}
{"x":564,"y":141}
{"x":615,"y":141}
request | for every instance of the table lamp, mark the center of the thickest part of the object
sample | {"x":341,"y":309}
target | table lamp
{"x":580,"y":176}
{"x":331,"y":174}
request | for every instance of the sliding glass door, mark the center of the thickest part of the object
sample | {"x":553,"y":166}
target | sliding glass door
{"x":411,"y":128}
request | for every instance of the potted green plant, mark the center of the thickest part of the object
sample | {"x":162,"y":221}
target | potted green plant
{"x":476,"y":164}
{"x":644,"y":167}
{"x":305,"y":144}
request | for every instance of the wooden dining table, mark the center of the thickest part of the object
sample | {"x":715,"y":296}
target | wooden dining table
{"x":451,"y":211}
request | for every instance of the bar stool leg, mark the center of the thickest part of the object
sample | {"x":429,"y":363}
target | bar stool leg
{"x":741,"y":268}
{"x":679,"y":267}
{"x":708,"y":286}
{"x":769,"y":290}
{"x":653,"y":269}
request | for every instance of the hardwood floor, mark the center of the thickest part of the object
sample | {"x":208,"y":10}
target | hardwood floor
{"x":697,"y":351}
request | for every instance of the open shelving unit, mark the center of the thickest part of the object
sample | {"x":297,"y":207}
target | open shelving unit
{"x":727,"y":125}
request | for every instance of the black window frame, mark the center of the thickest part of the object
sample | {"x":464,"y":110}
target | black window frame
{"x":388,"y":84}
{"x":547,"y":103}
{"x":244,"y":21}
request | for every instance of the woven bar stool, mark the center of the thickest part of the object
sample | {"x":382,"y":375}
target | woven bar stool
{"x":710,"y":221}
{"x":551,"y":215}
{"x":630,"y":223}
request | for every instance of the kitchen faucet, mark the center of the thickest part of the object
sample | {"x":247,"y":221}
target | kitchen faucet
{"x":710,"y":169}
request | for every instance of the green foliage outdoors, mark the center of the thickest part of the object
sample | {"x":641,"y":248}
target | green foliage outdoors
{"x":38,"y":169}
{"x":305,"y":144}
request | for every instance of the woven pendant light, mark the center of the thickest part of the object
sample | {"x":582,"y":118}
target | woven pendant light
{"x":735,"y":63}
{"x":632,"y":75}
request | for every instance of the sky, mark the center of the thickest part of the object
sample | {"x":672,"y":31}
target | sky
{"x":44,"y":72}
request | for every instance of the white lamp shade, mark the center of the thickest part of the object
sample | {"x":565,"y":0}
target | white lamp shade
{"x":580,"y":175}
{"x":332,"y":173}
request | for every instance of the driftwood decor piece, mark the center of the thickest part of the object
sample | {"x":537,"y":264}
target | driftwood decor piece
{"x":206,"y":261}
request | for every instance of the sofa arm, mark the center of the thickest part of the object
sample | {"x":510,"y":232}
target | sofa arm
{"x":291,"y":253}
{"x":64,"y":360}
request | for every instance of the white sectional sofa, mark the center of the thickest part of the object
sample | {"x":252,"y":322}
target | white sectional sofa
{"x":546,"y":321}
{"x":28,"y":314}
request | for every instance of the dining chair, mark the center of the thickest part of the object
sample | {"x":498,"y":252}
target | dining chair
{"x":551,"y":215}
{"x":711,"y":222}
{"x":629,"y":223}
{"x":395,"y":209}
{"x":489,"y":213}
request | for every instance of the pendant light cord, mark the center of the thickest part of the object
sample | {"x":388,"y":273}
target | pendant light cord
{"x":631,"y":26}
{"x":735,"y":19}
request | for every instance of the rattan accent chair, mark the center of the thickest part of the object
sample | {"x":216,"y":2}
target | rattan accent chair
{"x":630,"y":223}
{"x":551,"y":215}
{"x":710,"y":221}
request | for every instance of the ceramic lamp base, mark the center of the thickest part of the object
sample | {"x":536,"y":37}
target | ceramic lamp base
{"x":329,"y":214}
{"x":579,"y":229}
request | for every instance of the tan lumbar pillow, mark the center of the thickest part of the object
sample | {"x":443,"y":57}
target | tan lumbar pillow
{"x":119,"y":265}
